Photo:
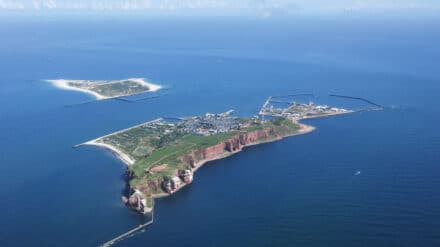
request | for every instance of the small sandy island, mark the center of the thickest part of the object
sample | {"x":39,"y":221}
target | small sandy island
{"x":102,"y":89}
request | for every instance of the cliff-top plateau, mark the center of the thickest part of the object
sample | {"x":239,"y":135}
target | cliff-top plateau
{"x":162,"y":155}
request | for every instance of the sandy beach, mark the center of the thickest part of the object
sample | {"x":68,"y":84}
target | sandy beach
{"x":63,"y":84}
{"x":142,"y":81}
{"x":121,"y":155}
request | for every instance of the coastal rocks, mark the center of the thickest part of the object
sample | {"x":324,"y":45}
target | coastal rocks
{"x":124,"y":199}
{"x":167,"y":186}
{"x":186,"y":175}
{"x":136,"y":198}
{"x":171,"y":185}
{"x":133,"y":201}
{"x":191,"y":161}
{"x":138,"y":202}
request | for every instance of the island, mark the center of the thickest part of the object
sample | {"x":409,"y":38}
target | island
{"x":102,"y":89}
{"x":163,"y":155}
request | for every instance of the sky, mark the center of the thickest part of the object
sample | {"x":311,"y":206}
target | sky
{"x":259,"y":7}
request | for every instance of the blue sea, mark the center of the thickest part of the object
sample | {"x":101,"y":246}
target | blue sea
{"x":365,"y":179}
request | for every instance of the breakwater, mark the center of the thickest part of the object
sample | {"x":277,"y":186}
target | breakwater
{"x":130,"y":232}
{"x":359,"y":98}
{"x":293,"y":95}
{"x":124,"y":98}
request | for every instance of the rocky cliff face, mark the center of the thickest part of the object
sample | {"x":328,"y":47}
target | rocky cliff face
{"x":255,"y":136}
{"x":134,"y":197}
{"x":185,"y":176}
{"x":234,"y":144}
{"x":213,"y":151}
{"x":172,"y":185}
{"x":137,"y":202}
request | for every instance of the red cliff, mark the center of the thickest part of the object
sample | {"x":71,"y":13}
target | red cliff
{"x":232,"y":145}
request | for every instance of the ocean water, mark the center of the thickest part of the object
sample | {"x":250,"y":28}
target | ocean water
{"x":301,"y":191}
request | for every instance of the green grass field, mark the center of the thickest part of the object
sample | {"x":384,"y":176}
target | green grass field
{"x":119,"y":88}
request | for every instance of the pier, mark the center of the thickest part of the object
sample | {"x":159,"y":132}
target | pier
{"x":264,"y":105}
{"x":129,"y":233}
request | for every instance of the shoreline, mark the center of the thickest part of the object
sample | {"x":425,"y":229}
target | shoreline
{"x":119,"y":154}
{"x":94,"y":142}
{"x":304,"y":129}
{"x":152,"y":87}
{"x":63,"y":85}
{"x":327,"y":115}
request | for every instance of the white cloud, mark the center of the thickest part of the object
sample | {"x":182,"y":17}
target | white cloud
{"x":264,"y":7}
{"x":5,"y":4}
